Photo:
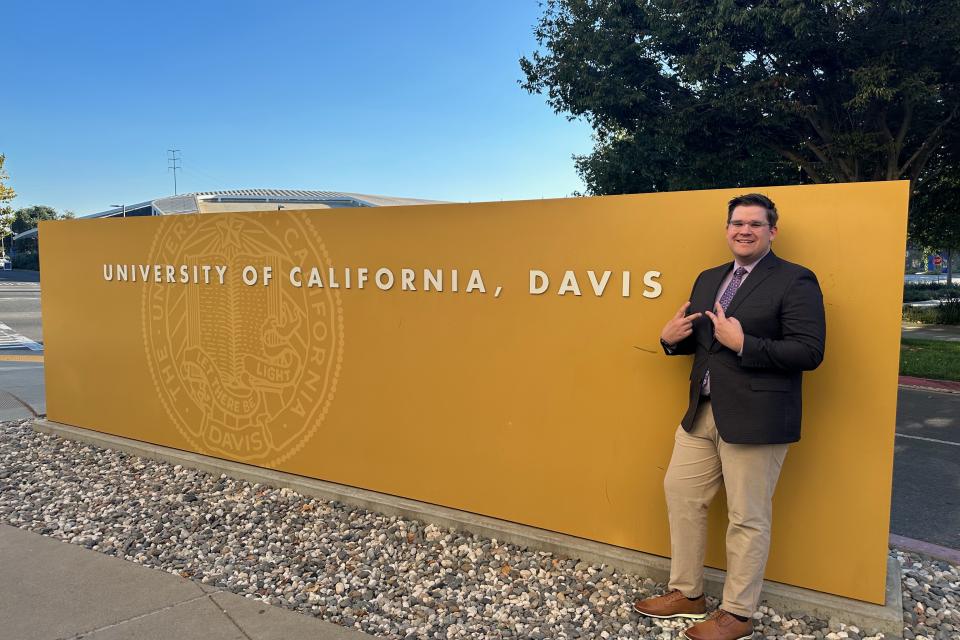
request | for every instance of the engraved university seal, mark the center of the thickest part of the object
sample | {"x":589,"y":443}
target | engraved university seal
{"x":245,"y":372}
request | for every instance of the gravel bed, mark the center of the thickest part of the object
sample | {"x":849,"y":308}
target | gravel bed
{"x":386,"y":576}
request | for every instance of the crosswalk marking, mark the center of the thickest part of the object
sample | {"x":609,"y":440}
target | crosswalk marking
{"x":903,"y":435}
{"x":10,"y":339}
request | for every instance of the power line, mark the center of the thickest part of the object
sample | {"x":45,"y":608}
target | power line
{"x":172,"y":165}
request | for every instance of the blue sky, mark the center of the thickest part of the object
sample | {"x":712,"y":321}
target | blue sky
{"x":416,"y":99}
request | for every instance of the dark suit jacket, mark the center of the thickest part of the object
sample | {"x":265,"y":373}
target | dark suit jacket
{"x":756,"y":396}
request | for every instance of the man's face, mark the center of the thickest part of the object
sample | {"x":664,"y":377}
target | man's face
{"x":748,"y":243}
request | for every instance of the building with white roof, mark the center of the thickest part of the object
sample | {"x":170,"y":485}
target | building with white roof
{"x":235,"y":200}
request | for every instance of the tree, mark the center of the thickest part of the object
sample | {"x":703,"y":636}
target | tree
{"x":716,"y":94}
{"x":6,"y":192}
{"x":27,"y":248}
{"x":6,"y":213}
{"x":28,"y":217}
{"x":935,"y":215}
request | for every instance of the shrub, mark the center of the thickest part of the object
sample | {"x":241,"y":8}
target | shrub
{"x":26,"y":260}
{"x":930,"y":291}
{"x":947,"y":313}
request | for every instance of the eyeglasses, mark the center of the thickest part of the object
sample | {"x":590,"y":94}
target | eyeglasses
{"x":753,"y":224}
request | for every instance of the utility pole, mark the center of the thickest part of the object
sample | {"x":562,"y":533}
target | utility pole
{"x":172,"y":165}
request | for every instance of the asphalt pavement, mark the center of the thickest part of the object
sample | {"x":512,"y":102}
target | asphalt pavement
{"x":926,"y":467}
{"x":20,"y":311}
{"x":21,"y":390}
{"x":21,"y":346}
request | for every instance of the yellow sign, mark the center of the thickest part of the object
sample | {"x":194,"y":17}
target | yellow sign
{"x":499,"y":358}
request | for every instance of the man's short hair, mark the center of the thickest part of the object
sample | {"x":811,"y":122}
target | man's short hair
{"x":757,"y":199}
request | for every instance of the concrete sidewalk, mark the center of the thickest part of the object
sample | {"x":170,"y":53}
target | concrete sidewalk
{"x":948,"y":332}
{"x":54,"y":590}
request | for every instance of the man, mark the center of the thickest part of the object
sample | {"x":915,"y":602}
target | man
{"x":753,"y":325}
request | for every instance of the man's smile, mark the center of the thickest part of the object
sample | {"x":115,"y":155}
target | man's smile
{"x":749,"y":233}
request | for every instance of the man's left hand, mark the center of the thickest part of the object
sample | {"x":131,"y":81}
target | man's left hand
{"x":728,"y":331}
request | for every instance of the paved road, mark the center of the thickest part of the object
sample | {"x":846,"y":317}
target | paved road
{"x":21,"y":382}
{"x":20,"y":315}
{"x":20,"y":310}
{"x":21,"y":336}
{"x":926,"y":468}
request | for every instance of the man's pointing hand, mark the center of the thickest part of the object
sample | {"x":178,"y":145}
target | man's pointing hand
{"x":680,"y":326}
{"x":728,"y":331}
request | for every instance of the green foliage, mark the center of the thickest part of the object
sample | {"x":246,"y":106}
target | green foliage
{"x":6,"y":192}
{"x":935,"y":211}
{"x":716,"y":94}
{"x":930,"y":291}
{"x":6,"y":213}
{"x":26,"y":260}
{"x":6,"y":220}
{"x":947,"y":313}
{"x":935,"y":359}
{"x":28,"y":217}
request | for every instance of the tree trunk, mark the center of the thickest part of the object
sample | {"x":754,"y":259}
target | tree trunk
{"x":949,"y":267}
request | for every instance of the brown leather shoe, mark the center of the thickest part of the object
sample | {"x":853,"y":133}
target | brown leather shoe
{"x":672,"y":605}
{"x":720,"y":626}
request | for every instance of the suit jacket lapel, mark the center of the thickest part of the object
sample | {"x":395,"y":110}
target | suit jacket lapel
{"x":710,"y":287}
{"x":760,"y":273}
{"x":713,"y":280}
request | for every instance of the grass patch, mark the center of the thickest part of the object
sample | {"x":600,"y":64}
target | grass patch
{"x":936,"y":359}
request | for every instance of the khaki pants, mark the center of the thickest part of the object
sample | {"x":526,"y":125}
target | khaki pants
{"x":701,"y":462}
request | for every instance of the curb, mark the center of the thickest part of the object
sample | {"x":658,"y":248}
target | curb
{"x":947,"y":386}
{"x":20,"y":358}
{"x":886,"y":618}
{"x":929,"y":549}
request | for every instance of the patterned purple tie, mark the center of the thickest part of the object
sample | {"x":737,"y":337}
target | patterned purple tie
{"x":725,"y":299}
